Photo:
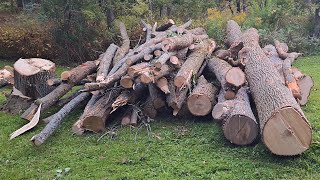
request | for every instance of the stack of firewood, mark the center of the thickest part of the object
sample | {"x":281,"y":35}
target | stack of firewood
{"x":172,"y":72}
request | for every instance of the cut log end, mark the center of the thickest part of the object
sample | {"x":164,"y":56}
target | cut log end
{"x":65,"y":75}
{"x":94,"y":123}
{"x":126,"y":82}
{"x":199,"y":105}
{"x":240,"y":130}
{"x":219,"y":111}
{"x":287,"y":133}
{"x":236,"y":77}
{"x":179,"y":81}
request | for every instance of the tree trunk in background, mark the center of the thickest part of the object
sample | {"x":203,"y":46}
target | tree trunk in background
{"x":238,"y":3}
{"x":244,"y":6}
{"x":19,"y":4}
{"x":110,"y":13}
{"x":316,"y":32}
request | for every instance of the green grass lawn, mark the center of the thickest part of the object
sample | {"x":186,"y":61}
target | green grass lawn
{"x":174,"y":149}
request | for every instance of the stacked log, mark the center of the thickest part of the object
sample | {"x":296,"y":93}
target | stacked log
{"x":178,"y":71}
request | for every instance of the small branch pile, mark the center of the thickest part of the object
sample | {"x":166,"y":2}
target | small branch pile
{"x":175,"y":68}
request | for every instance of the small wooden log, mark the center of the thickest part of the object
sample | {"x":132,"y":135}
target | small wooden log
{"x":193,"y":63}
{"x":201,"y":100}
{"x":126,"y":82}
{"x":54,"y":82}
{"x":148,"y":29}
{"x":31,"y":75}
{"x":176,"y":43}
{"x":126,"y":119}
{"x":124,"y":49}
{"x":106,"y":62}
{"x":47,"y":101}
{"x":148,"y":108}
{"x":134,"y":117}
{"x":148,"y":57}
{"x":182,"y":53}
{"x":137,"y":69}
{"x":158,"y":53}
{"x":56,"y":119}
{"x":162,"y":84}
{"x":163,"y":59}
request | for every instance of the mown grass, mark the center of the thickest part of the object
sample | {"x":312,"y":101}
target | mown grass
{"x":174,"y":149}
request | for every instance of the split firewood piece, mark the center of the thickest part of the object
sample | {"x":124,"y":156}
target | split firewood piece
{"x":284,"y":127}
{"x":201,"y":100}
{"x":134,"y":117}
{"x":77,"y":127}
{"x":95,"y":119}
{"x":166,"y":25}
{"x":157,"y":96}
{"x":137,"y":69}
{"x":230,"y":78}
{"x":239,"y":124}
{"x":120,"y":72}
{"x":106,"y":61}
{"x":124,"y":48}
{"x":148,"y":108}
{"x":31,"y":75}
{"x":193,"y":63}
{"x":148,"y":29}
{"x":56,"y":119}
{"x":47,"y":101}
{"x":163,"y":59}
{"x":126,"y":82}
{"x":178,"y":42}
{"x":162,"y":84}
{"x":6,"y":76}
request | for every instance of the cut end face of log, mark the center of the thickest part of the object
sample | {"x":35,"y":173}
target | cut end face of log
{"x":199,"y":105}
{"x":287,"y":133}
{"x":219,"y":112}
{"x":240,"y":130}
{"x":126,"y":82}
{"x":36,"y":141}
{"x":94,"y":123}
{"x":305,"y":84}
{"x":229,"y":95}
{"x":179,"y":81}
{"x":235,"y":77}
{"x":32,"y":66}
{"x":65,"y":75}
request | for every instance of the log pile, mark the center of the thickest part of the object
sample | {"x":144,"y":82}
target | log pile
{"x":173,"y":72}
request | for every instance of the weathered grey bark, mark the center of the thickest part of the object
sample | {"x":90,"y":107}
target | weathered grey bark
{"x":56,"y":119}
{"x":124,"y":49}
{"x":106,"y":62}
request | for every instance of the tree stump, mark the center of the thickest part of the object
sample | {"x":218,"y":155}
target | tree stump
{"x":31,"y":75}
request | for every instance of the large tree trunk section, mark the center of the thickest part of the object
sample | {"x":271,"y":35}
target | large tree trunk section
{"x":47,"y":101}
{"x":284,"y":128}
{"x":239,"y":124}
{"x":193,"y":63}
{"x":31,"y":75}
{"x":106,"y":62}
{"x":316,"y":31}
{"x":124,"y":49}
{"x":201,"y":100}
{"x":56,"y":119}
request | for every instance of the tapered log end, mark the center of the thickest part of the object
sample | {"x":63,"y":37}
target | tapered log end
{"x":305,"y":84}
{"x":199,"y":105}
{"x":240,"y":130}
{"x":287,"y":133}
{"x":36,"y":140}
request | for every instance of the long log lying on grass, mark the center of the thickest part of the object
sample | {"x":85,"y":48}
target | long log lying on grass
{"x":284,"y":128}
{"x":56,"y":119}
{"x":47,"y":101}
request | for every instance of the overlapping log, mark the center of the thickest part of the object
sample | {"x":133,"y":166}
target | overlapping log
{"x":284,"y":128}
{"x":56,"y":119}
{"x":106,"y":61}
{"x":124,"y":48}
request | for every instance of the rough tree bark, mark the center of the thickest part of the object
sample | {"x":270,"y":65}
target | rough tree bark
{"x":106,"y":62}
{"x":284,"y":128}
{"x":124,"y":49}
{"x":56,"y":119}
{"x":201,"y":100}
{"x":31,"y":75}
{"x":47,"y":101}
